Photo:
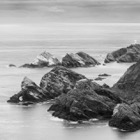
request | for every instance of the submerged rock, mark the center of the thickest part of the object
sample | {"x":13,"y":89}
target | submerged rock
{"x":126,"y":117}
{"x":104,"y":75}
{"x":99,"y":79}
{"x":129,"y":54}
{"x":86,"y":101}
{"x":11,"y":65}
{"x":79,"y":59}
{"x":45,"y":59}
{"x":60,"y":80}
{"x":128,"y":86}
{"x":30,"y":93}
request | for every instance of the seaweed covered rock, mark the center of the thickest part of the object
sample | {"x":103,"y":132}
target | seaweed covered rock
{"x":128,"y":86}
{"x":126,"y":117}
{"x":60,"y":80}
{"x":128,"y":54}
{"x":45,"y":59}
{"x":86,"y":101}
{"x":30,"y":93}
{"x":79,"y":59}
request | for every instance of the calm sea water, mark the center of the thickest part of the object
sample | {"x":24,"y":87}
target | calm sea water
{"x":20,"y":44}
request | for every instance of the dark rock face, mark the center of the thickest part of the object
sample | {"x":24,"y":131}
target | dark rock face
{"x":126,"y":117}
{"x":60,"y":80}
{"x":129,"y":54}
{"x":79,"y":59}
{"x":45,"y":59}
{"x":86,"y":101}
{"x":30,"y":93}
{"x":128,"y":87}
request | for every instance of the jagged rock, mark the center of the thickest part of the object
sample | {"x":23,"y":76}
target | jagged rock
{"x":30,"y":93}
{"x":126,"y":117}
{"x":128,"y":86}
{"x":86,"y":101}
{"x":129,"y":54}
{"x":45,"y":59}
{"x":60,"y":80}
{"x":79,"y":59}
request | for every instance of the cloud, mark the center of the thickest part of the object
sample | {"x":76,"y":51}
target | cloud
{"x":55,"y":9}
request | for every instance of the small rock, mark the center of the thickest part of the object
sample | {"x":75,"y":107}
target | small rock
{"x":99,"y":78}
{"x":104,"y":75}
{"x":45,"y":59}
{"x":11,"y":65}
{"x":79,"y":59}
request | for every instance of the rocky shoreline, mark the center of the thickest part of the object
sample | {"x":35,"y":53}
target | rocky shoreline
{"x":77,"y":98}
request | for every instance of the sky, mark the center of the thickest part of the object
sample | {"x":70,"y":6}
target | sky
{"x":69,"y":11}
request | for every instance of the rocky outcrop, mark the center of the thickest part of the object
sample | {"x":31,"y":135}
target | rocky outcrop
{"x":128,"y":86}
{"x":56,"y":82}
{"x":45,"y":59}
{"x":126,"y":117}
{"x":79,"y":59}
{"x":86,"y":101}
{"x":60,"y":80}
{"x":129,"y":54}
{"x":30,"y":93}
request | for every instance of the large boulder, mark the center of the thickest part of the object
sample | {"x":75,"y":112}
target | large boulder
{"x":30,"y":93}
{"x":45,"y":59}
{"x":86,"y":101}
{"x":128,"y":86}
{"x":126,"y":117}
{"x":60,"y":80}
{"x":128,"y":54}
{"x":79,"y":59}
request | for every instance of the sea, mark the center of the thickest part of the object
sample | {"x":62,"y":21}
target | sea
{"x":21,"y":43}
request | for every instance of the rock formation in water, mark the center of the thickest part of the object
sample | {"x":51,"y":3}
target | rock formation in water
{"x":60,"y":80}
{"x":11,"y":65}
{"x":104,"y":75}
{"x":126,"y":117}
{"x":79,"y":59}
{"x":99,"y":79}
{"x":45,"y":59}
{"x":128,"y":86}
{"x":128,"y":54}
{"x":56,"y":82}
{"x":86,"y":101}
{"x":29,"y":93}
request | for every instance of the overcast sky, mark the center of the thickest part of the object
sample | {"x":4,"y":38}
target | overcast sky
{"x":91,"y":11}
